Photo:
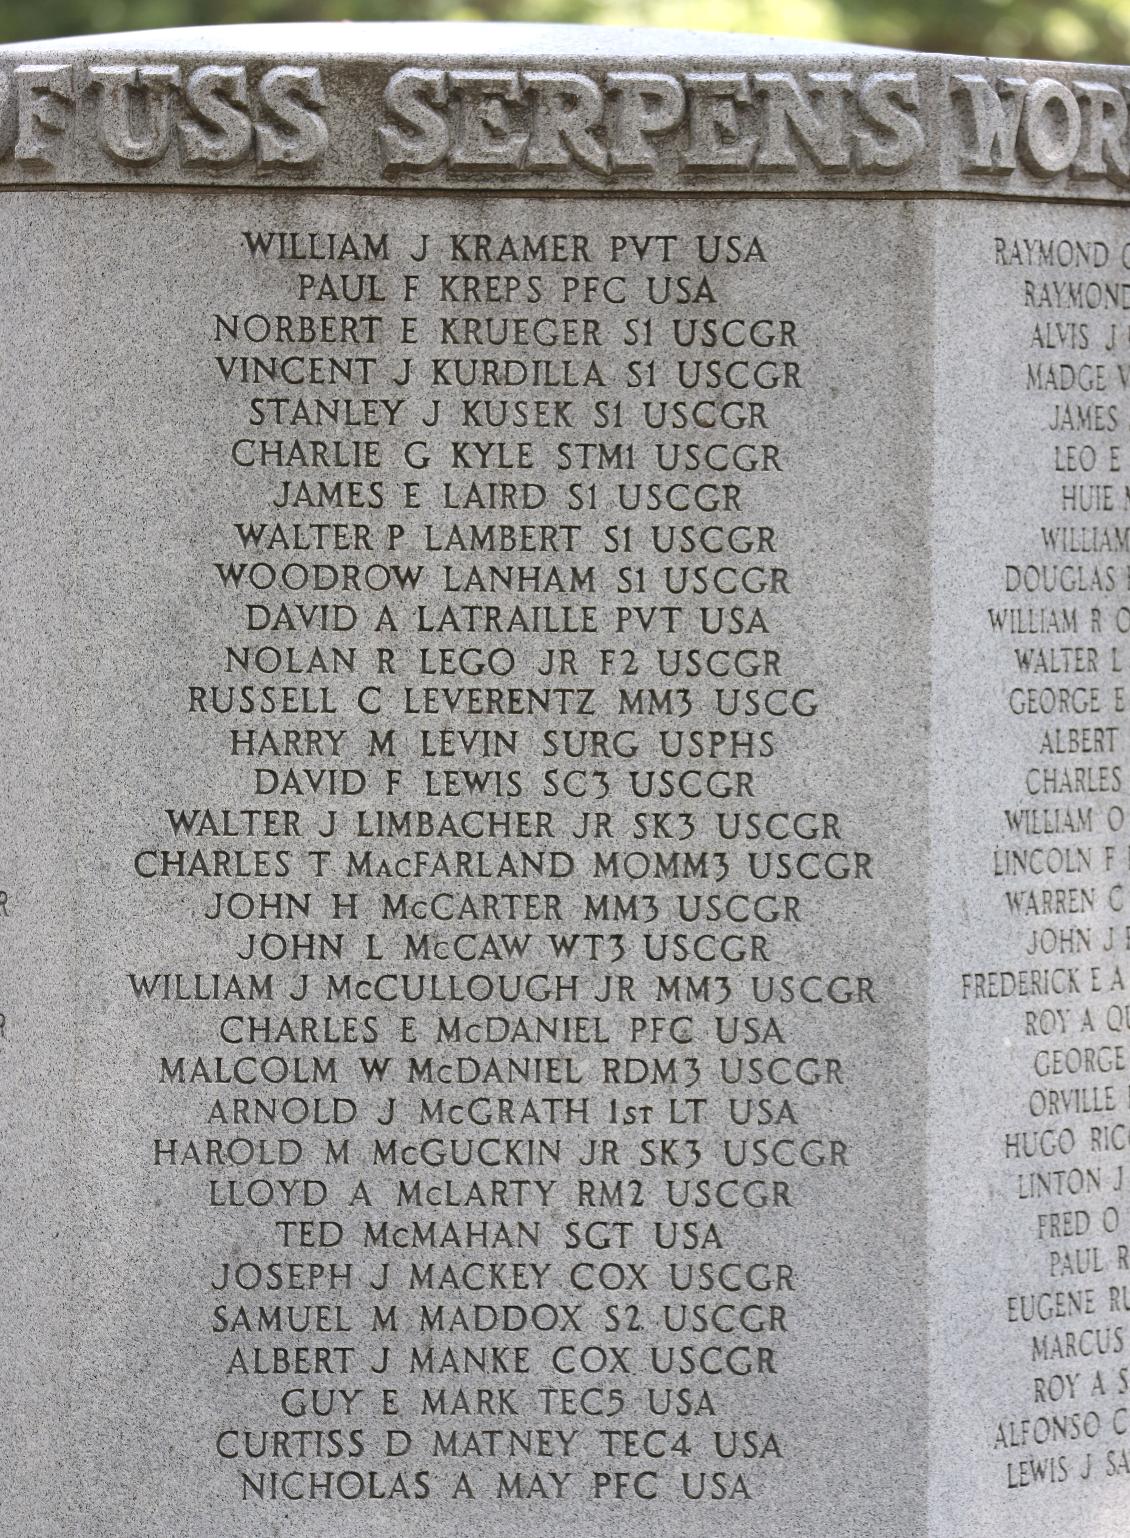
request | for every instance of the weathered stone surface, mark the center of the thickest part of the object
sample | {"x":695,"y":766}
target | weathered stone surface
{"x":563,"y":958}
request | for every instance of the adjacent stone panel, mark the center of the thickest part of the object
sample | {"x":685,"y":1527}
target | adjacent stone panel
{"x":1028,"y":1053}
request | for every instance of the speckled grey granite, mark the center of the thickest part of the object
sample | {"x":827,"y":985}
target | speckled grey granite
{"x":564,"y":942}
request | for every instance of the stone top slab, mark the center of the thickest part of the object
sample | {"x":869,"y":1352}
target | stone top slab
{"x":502,"y":107}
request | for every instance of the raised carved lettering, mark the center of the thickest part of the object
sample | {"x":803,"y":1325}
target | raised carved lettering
{"x":43,"y":96}
{"x":896,"y":128}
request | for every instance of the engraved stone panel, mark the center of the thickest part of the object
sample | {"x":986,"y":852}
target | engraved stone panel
{"x":564,"y":952}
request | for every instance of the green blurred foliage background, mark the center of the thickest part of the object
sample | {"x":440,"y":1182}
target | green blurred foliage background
{"x":1078,"y":29}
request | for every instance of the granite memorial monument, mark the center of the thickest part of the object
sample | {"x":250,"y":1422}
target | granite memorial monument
{"x":564,"y":864}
